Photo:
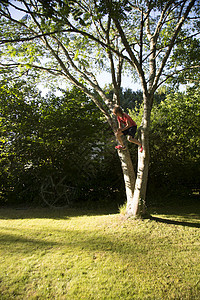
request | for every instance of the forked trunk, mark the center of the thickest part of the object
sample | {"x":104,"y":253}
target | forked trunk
{"x":137,"y":208}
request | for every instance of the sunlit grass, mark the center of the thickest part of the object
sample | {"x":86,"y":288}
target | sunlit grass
{"x":49,"y":254}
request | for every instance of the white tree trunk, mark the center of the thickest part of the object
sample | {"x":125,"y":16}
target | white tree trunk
{"x":129,"y":175}
{"x":138,"y":207}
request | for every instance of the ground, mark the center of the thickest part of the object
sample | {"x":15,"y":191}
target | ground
{"x":70,"y":254}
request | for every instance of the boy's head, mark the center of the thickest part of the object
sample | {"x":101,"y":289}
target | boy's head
{"x":117,"y":111}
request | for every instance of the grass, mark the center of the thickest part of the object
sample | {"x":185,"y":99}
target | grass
{"x":67,"y":254}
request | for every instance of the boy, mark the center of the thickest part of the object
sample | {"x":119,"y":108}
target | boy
{"x":129,"y":128}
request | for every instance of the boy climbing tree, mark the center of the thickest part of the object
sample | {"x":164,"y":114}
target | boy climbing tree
{"x":126,"y":127}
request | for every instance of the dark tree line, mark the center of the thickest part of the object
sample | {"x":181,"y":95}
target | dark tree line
{"x":68,"y":137}
{"x":55,"y":136}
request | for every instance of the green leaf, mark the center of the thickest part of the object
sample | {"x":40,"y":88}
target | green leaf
{"x":76,"y":54}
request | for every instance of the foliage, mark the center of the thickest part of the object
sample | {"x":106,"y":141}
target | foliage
{"x":129,"y":99}
{"x":56,"y":34}
{"x":175,"y":140}
{"x":59,"y":136}
{"x":186,"y":55}
{"x":19,"y":115}
{"x":66,"y":136}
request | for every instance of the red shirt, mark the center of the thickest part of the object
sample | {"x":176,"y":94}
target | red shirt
{"x":126,"y":120}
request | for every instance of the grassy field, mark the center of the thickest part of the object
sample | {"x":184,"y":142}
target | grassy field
{"x":68,"y":254}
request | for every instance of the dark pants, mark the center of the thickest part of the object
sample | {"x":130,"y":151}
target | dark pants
{"x":130,"y":131}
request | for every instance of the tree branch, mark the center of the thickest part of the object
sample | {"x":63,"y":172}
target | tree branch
{"x":30,"y":38}
{"x":167,"y":53}
{"x":177,"y":72}
{"x":84,"y":74}
{"x":161,"y":20}
{"x":134,"y":61}
{"x":141,"y":36}
{"x":49,"y":70}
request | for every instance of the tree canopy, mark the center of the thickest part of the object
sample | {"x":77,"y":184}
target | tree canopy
{"x":76,"y":39}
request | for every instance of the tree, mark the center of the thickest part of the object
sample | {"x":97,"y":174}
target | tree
{"x":73,"y":38}
{"x":176,"y":125}
{"x":50,"y":136}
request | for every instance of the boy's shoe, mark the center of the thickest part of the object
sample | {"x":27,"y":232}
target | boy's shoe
{"x":120,"y":147}
{"x":141,"y":149}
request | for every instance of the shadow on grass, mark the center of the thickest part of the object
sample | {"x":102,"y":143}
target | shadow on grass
{"x":174,"y":222}
{"x":47,"y":213}
{"x":181,"y":214}
{"x":78,"y":240}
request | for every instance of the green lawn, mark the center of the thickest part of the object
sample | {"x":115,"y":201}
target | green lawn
{"x":68,"y":254}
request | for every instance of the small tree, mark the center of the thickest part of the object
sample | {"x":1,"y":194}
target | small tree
{"x":74,"y":38}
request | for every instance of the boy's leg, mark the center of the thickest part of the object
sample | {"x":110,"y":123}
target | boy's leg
{"x":119,"y":138}
{"x":133,"y":140}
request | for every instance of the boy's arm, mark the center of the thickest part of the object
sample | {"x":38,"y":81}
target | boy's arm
{"x":121,"y":128}
{"x":124,"y":128}
{"x":127,"y":126}
{"x":119,"y":123}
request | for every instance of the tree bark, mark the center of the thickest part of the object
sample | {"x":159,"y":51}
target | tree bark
{"x":128,"y":173}
{"x":137,"y":207}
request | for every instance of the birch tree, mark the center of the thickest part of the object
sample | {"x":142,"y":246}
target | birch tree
{"x":74,"y":40}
